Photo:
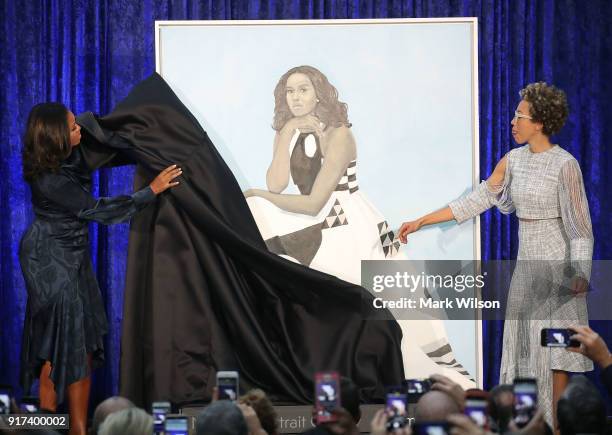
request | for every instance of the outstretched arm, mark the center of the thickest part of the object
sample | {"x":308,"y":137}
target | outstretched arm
{"x":436,"y":217}
{"x":340,"y":151}
{"x":69,"y":195}
{"x":467,"y":206}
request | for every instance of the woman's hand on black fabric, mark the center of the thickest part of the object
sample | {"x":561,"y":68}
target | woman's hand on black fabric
{"x":165,"y":179}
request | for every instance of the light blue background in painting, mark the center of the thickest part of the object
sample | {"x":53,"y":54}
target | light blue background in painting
{"x":408,"y":88}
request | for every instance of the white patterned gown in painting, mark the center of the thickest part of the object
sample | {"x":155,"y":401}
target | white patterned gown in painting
{"x":348,"y":229}
{"x":555,"y":236}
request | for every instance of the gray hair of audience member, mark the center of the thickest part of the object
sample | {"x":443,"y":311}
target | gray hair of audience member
{"x":581,"y":409}
{"x":501,"y":406}
{"x":106,"y":408}
{"x":221,"y":418}
{"x":435,"y":406}
{"x":133,"y":421}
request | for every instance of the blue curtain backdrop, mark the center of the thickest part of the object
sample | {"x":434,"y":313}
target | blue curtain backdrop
{"x":88,"y":53}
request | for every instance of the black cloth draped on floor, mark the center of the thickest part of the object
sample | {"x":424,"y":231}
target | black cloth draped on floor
{"x":203,"y":293}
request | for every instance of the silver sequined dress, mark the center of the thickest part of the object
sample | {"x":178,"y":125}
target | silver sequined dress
{"x":555,"y":243}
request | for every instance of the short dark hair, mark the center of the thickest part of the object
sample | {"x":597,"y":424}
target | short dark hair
{"x":221,"y":418}
{"x":46,"y":141}
{"x":581,"y":409}
{"x":548,"y":106}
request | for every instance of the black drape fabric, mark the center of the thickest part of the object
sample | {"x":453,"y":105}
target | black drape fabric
{"x":204,"y":294}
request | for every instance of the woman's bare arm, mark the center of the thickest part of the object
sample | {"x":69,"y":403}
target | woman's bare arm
{"x":443,"y":215}
{"x":277,"y":176}
{"x":494,"y":182}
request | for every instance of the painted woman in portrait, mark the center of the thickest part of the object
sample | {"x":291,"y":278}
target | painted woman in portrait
{"x":315,"y":152}
{"x":314,"y":212}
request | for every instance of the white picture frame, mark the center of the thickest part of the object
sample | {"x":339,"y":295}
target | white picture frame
{"x":411,"y":86}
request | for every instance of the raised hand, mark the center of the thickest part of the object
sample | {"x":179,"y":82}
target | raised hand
{"x":446,"y":385}
{"x":378,"y":425}
{"x":165,"y":179}
{"x":536,"y":426}
{"x":463,"y":425}
{"x":591,"y":345}
{"x":252,"y":421}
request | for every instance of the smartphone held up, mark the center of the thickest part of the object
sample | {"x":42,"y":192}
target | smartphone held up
{"x":558,"y":337}
{"x":227,"y":385}
{"x":525,"y":400}
{"x":160,"y":410}
{"x":327,"y":396}
{"x":396,"y":408}
{"x":476,"y":407}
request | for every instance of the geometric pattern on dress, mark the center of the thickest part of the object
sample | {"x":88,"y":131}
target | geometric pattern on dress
{"x":390,"y":244}
{"x":349,"y":180}
{"x":335,"y":218}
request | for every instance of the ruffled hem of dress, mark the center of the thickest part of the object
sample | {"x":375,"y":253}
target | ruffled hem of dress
{"x":43,"y":341}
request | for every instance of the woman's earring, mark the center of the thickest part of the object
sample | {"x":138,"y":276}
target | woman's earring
{"x":317,"y":100}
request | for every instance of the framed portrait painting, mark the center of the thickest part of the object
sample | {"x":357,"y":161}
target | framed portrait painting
{"x":338,"y":131}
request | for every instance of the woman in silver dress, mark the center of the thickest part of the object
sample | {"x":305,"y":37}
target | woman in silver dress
{"x":543,"y":184}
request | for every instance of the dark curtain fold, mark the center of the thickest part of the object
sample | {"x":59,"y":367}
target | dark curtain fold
{"x":89,"y":53}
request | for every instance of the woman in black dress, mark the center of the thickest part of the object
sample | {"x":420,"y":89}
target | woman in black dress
{"x":65,"y":318}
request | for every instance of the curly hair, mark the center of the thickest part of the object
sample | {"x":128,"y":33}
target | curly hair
{"x":46,"y":141}
{"x":264,"y":409}
{"x":329,"y":110}
{"x":548,"y":106}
